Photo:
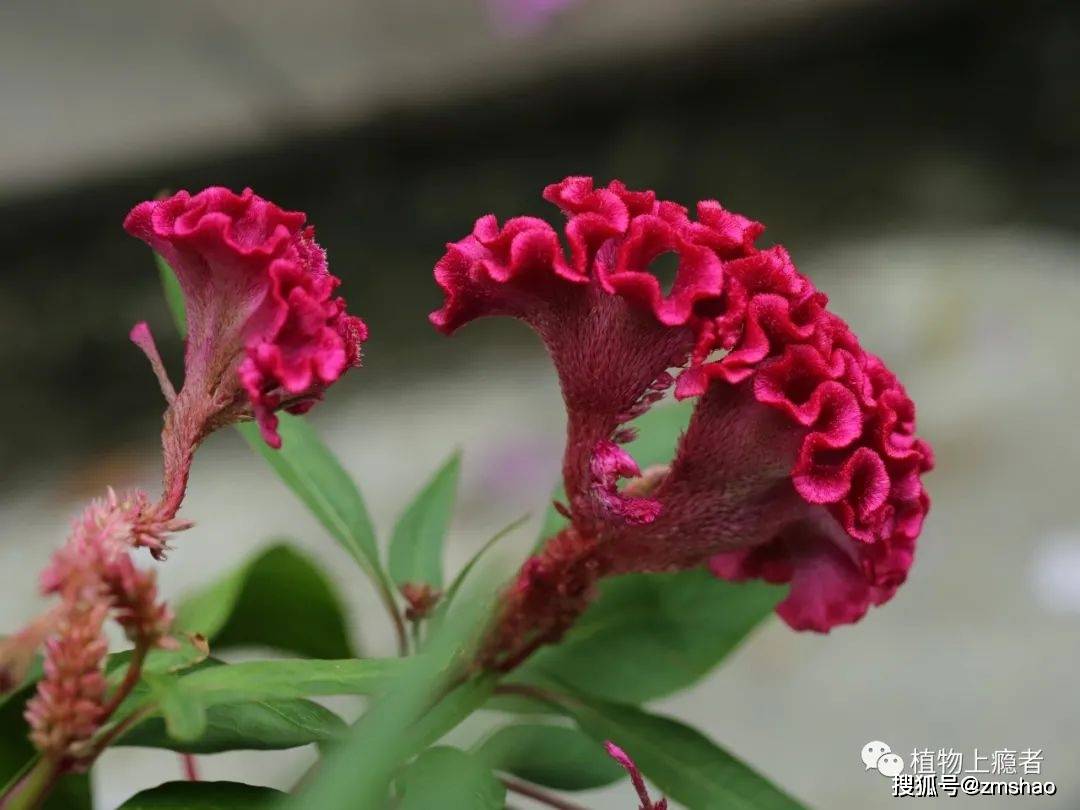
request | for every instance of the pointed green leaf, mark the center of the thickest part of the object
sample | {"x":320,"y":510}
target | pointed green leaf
{"x":658,"y":432}
{"x":190,"y":650}
{"x":648,"y":635}
{"x":278,"y":599}
{"x":463,"y":574}
{"x":272,"y":680}
{"x":416,"y":711}
{"x":417,"y":543}
{"x":448,"y":777}
{"x":555,"y":756}
{"x":212,"y":684}
{"x":313,"y":473}
{"x":203,"y":796}
{"x":254,"y":705}
{"x":253,"y":725}
{"x":184,"y":714}
{"x":680,"y":761}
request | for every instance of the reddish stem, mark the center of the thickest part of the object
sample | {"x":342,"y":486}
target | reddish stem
{"x":191,"y":767}
{"x":538,"y":794}
{"x":32,"y":789}
{"x":131,"y":677}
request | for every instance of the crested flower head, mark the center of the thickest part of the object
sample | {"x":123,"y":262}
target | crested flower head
{"x":800,"y":463}
{"x":265,"y":328}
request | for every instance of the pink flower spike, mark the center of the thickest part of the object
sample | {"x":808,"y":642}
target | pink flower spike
{"x":636,"y":778}
{"x":67,"y":708}
{"x":266,"y":331}
{"x":94,"y":578}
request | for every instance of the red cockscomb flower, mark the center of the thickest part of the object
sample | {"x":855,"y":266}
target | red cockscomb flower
{"x":261,"y":310}
{"x":800,"y":463}
{"x":265,"y":330}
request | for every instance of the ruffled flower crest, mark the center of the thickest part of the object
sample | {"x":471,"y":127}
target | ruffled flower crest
{"x":800,"y":463}
{"x":265,"y":330}
{"x":612,"y":331}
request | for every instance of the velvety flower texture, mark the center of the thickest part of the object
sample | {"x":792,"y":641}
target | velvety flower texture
{"x":265,"y":329}
{"x":800,"y":463}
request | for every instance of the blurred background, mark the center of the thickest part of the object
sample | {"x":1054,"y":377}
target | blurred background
{"x":919,"y":159}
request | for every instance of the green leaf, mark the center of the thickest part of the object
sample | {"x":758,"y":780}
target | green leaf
{"x":271,"y":680}
{"x":72,"y":792}
{"x":659,"y":430}
{"x":314,"y":474}
{"x":417,"y":543}
{"x":444,"y":716}
{"x":184,"y":714}
{"x":278,"y":599}
{"x":174,"y":296}
{"x":419,"y":708}
{"x":448,"y":777}
{"x":257,"y":705}
{"x":555,"y":756}
{"x":203,"y":796}
{"x":190,"y":651}
{"x":682,"y":762}
{"x":648,"y":635}
{"x":213,"y":683}
{"x":254,"y":725}
{"x":463,"y":574}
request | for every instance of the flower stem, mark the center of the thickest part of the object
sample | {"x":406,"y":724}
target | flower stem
{"x":30,"y":791}
{"x":390,"y":603}
{"x":106,"y":739}
{"x":532,"y":692}
{"x":191,"y":767}
{"x":131,"y":677}
{"x":538,"y":794}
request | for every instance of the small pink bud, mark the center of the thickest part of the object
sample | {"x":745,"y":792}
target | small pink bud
{"x":636,"y":778}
